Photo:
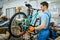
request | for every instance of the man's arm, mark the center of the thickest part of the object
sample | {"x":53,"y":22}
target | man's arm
{"x":38,"y":27}
{"x":41,"y":26}
{"x":43,"y":22}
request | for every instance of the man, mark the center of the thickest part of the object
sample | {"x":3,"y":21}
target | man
{"x":43,"y":33}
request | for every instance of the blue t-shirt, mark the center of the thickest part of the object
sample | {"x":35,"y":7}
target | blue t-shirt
{"x":46,"y":18}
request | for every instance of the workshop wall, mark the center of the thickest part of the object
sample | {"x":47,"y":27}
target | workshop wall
{"x":14,"y":4}
{"x":10,"y":5}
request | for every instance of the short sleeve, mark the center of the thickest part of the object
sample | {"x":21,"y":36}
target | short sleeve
{"x":43,"y":18}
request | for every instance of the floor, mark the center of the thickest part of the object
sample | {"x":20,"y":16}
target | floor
{"x":4,"y":37}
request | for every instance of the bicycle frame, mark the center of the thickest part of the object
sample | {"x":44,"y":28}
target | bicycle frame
{"x":33,"y":19}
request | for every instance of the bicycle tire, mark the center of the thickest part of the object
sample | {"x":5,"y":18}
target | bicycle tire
{"x":11,"y":22}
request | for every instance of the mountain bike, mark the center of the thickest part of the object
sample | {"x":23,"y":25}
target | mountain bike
{"x":20,"y":27}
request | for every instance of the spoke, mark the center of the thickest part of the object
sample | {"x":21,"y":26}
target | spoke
{"x":16,"y":28}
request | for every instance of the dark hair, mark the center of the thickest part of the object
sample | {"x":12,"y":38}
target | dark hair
{"x":44,"y":4}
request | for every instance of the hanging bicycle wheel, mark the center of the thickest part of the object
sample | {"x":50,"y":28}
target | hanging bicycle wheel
{"x":17,"y":24}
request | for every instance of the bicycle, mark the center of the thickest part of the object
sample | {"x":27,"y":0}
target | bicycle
{"x":23,"y":23}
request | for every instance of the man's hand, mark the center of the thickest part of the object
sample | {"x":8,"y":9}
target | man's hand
{"x":31,"y":28}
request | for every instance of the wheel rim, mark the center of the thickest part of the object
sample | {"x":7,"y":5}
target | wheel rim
{"x":17,"y":29}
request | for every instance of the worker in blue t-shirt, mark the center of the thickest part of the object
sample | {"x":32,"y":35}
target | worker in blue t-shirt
{"x":43,"y":33}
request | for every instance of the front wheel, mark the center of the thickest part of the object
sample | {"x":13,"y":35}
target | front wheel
{"x":16,"y":28}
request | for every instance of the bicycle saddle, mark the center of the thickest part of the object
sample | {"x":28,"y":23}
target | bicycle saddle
{"x":28,"y":5}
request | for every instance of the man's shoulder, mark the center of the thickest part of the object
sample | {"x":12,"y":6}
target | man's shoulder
{"x":47,"y":13}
